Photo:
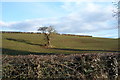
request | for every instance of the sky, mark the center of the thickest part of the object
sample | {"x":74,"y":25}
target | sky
{"x":80,"y":18}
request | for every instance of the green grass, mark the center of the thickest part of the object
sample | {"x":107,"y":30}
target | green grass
{"x":17,"y":43}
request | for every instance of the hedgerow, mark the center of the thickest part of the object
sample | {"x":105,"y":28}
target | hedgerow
{"x":74,"y":66}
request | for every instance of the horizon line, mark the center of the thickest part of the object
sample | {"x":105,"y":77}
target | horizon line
{"x":69,"y":34}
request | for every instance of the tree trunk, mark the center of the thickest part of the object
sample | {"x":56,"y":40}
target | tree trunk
{"x":47,"y":37}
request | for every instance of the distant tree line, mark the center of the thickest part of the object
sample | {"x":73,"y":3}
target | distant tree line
{"x":19,"y":32}
{"x":41,"y":33}
{"x":77,"y":35}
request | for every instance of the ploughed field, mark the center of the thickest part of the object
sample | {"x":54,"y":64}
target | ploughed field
{"x":24,"y":43}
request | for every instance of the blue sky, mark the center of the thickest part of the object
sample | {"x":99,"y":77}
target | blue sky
{"x":20,"y":11}
{"x":81,"y":18}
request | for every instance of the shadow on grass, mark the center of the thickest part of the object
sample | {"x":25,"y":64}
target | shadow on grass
{"x":18,"y":52}
{"x":23,"y":41}
{"x":6,"y":51}
{"x":84,"y":50}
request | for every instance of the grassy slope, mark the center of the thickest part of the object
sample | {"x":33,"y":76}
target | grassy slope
{"x":16,"y":43}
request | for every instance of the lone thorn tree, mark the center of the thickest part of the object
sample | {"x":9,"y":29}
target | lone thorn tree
{"x":47,"y":33}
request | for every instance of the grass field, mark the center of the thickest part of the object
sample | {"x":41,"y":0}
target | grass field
{"x":22,"y":43}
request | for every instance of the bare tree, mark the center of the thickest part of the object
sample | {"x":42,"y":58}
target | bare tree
{"x":47,"y":33}
{"x":116,"y":12}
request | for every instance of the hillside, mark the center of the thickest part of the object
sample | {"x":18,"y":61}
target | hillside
{"x":23,"y":43}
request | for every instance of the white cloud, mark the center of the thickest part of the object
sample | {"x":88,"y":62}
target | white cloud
{"x":2,"y":24}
